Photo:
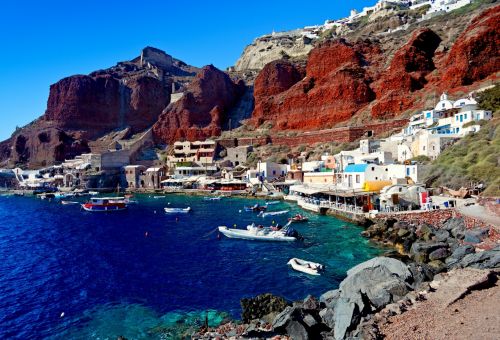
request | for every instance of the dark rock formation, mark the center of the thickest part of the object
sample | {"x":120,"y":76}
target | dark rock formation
{"x":262,"y":306}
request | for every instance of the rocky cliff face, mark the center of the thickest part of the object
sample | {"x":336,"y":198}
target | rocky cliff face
{"x":272,"y":47}
{"x":82,"y":108}
{"x":371,"y":79}
{"x":202,"y":110}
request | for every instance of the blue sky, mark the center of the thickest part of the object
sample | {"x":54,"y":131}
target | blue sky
{"x":44,"y":41}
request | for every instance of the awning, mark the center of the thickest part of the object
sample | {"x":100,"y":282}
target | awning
{"x":305,"y":190}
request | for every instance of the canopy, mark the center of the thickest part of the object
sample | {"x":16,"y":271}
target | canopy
{"x":305,"y":190}
{"x":376,"y":185}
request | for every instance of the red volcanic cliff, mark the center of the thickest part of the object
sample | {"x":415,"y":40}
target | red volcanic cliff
{"x":103,"y":103}
{"x":334,"y":88}
{"x":276,"y":77}
{"x":405,"y":74}
{"x":475,"y":54}
{"x":202,"y":109}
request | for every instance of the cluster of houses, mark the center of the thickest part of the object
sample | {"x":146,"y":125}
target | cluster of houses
{"x":380,"y":174}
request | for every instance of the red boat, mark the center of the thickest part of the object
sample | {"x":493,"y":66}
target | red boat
{"x":298,"y":218}
{"x":105,"y":204}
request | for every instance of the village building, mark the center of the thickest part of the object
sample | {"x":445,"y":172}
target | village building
{"x":238,"y":155}
{"x":152,"y":177}
{"x":133,"y":176}
{"x":198,"y":152}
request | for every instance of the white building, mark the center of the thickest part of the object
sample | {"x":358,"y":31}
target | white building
{"x":355,"y":176}
{"x":199,"y":152}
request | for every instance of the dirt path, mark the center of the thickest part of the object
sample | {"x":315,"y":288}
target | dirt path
{"x":445,"y":315}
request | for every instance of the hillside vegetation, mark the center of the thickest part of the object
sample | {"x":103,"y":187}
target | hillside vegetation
{"x":475,"y":158}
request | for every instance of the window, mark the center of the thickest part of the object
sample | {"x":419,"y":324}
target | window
{"x":358,"y":178}
{"x":465,"y":116}
{"x":428,"y":115}
{"x":373,"y":168}
{"x":400,"y":189}
{"x":274,"y":172}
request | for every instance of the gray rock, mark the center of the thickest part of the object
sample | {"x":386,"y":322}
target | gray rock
{"x":309,"y":320}
{"x":327,"y":317}
{"x":371,"y":284}
{"x":475,"y":235}
{"x":458,"y":233}
{"x":344,"y":311}
{"x":310,"y":303}
{"x":453,"y":223}
{"x":297,"y":331}
{"x":420,"y":250}
{"x":330,"y":298}
{"x":441,"y":235}
{"x":439,"y":254}
{"x":421,"y":273}
{"x":283,"y":318}
{"x":484,"y":260}
{"x":461,"y":251}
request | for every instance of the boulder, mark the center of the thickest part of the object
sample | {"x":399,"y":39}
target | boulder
{"x":453,"y":223}
{"x":310,"y":303}
{"x":297,"y":331}
{"x":420,"y":250}
{"x":330,"y":298}
{"x":484,"y":260}
{"x":261,"y":305}
{"x":328,"y":317}
{"x":439,"y":254}
{"x":284,"y":318}
{"x":437,"y":266}
{"x":475,"y":235}
{"x":309,"y":320}
{"x":368,"y":287}
{"x":461,"y":251}
{"x":441,"y":235}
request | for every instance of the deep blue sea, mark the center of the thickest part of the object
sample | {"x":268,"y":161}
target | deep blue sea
{"x":70,"y":274}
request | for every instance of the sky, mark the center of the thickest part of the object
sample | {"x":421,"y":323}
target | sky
{"x":44,"y":41}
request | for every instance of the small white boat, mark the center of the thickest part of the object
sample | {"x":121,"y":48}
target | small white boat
{"x":69,"y":202}
{"x":177,"y":210}
{"x":272,"y":202}
{"x":308,"y":267}
{"x":156,"y":197}
{"x":216,"y":198}
{"x":255,"y":233}
{"x":93,"y":193}
{"x":273,"y":213}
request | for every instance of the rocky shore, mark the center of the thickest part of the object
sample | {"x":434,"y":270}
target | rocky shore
{"x":432,"y":268}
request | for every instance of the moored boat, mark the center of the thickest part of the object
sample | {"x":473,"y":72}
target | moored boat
{"x":105,"y":204}
{"x":298,"y":218}
{"x":259,"y":233}
{"x":308,"y":267}
{"x":256,"y":208}
{"x":177,"y":210}
{"x":215,"y":198}
{"x":273,"y":213}
{"x":69,"y":202}
{"x":272,"y":202}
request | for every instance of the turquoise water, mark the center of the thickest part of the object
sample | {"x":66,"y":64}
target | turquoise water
{"x":144,"y":274}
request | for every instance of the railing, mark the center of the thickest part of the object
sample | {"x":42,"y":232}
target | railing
{"x":342,"y":207}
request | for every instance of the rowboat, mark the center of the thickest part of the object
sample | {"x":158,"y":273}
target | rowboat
{"x":308,"y":267}
{"x":255,"y":233}
{"x":273,"y":213}
{"x":177,"y":210}
{"x":105,"y":204}
{"x":298,"y":218}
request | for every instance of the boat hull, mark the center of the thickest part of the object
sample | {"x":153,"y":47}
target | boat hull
{"x":307,"y":267}
{"x":247,"y":235}
{"x":104,"y":208}
{"x":177,"y":210}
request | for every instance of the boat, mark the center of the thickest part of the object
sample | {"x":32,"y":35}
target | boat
{"x":93,"y":193}
{"x":69,"y":202}
{"x":298,"y":218}
{"x":260,"y":233}
{"x":129,"y":201}
{"x":105,"y":204}
{"x":308,"y":267}
{"x":156,"y":197}
{"x":272,"y":202}
{"x":177,"y":210}
{"x":256,"y":207}
{"x":273,"y":213}
{"x":216,"y":198}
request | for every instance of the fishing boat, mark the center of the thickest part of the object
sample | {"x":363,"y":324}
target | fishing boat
{"x":256,"y":208}
{"x":260,"y":233}
{"x":69,"y":202}
{"x":272,"y":202}
{"x":177,"y":210}
{"x":298,"y":218}
{"x":216,"y":198}
{"x":308,"y":267}
{"x":105,"y":204}
{"x":273,"y":213}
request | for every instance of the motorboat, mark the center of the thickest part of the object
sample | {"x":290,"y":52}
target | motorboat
{"x":105,"y":204}
{"x":308,"y":267}
{"x":298,"y":218}
{"x":130,"y":201}
{"x":93,"y":193}
{"x":256,"y":208}
{"x":273,"y":213}
{"x":69,"y":202}
{"x":260,"y":233}
{"x":215,"y":198}
{"x":177,"y":210}
{"x":156,"y":197}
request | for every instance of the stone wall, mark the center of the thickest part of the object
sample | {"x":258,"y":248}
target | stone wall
{"x":338,"y":135}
